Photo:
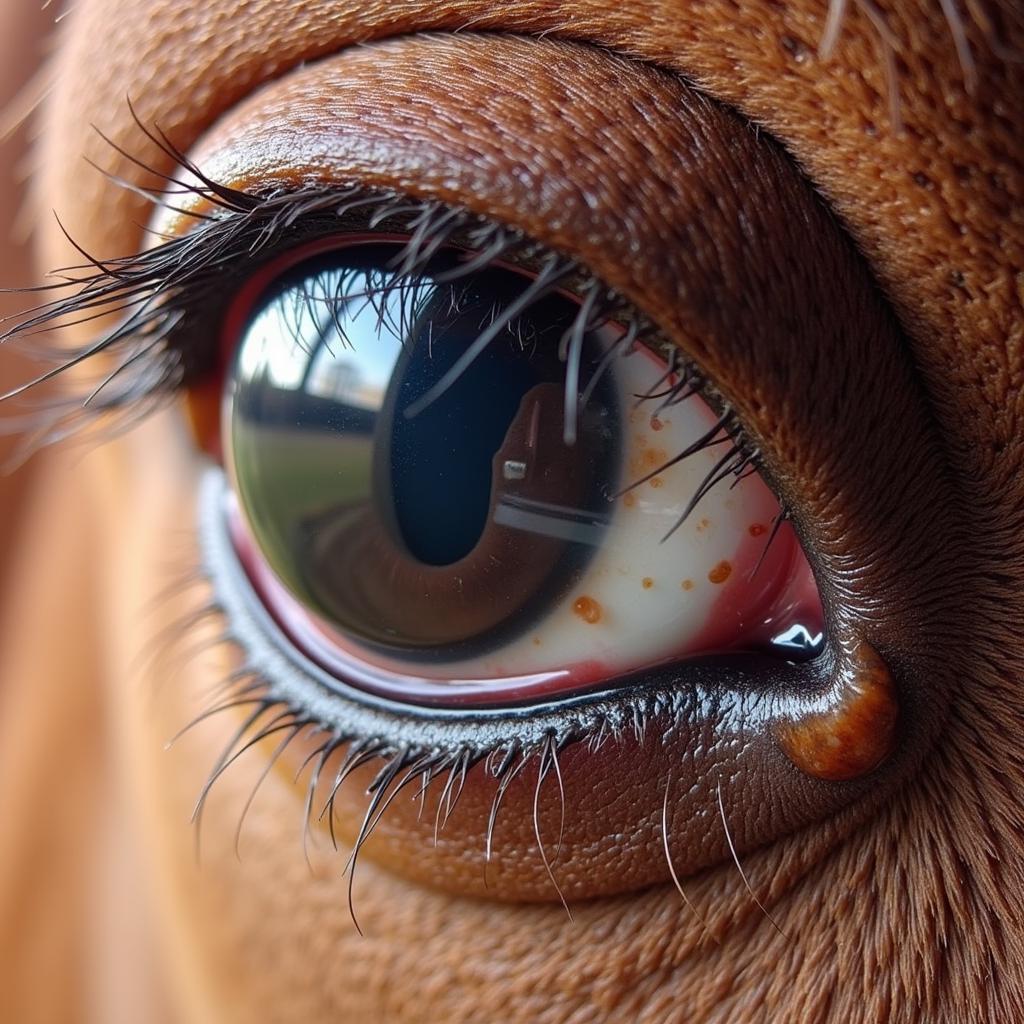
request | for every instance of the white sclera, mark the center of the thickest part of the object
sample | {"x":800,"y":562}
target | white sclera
{"x":645,"y":597}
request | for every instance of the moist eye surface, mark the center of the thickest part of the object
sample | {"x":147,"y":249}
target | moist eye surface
{"x":472,"y":485}
{"x":429,"y":529}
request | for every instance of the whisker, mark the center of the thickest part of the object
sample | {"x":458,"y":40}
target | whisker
{"x":739,"y":867}
{"x":672,"y":868}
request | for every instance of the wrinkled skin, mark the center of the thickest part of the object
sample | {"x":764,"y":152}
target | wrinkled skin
{"x":912,"y":915}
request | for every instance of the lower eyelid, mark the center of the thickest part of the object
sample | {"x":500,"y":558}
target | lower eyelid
{"x":673,"y":724}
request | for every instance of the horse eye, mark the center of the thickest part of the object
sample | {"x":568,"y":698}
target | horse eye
{"x":470,"y":485}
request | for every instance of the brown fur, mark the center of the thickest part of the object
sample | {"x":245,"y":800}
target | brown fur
{"x":915,"y":916}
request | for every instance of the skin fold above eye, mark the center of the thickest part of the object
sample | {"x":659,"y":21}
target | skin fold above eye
{"x":910,"y":917}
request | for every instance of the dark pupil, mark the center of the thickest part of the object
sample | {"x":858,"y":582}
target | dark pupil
{"x":413,"y":497}
{"x":441,"y":459}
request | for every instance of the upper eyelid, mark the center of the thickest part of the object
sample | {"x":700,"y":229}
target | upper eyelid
{"x":203,"y":90}
{"x":718,"y":301}
{"x":237,"y":223}
{"x":774,"y":195}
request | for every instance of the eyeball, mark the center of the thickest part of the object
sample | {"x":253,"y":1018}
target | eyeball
{"x":468,"y":485}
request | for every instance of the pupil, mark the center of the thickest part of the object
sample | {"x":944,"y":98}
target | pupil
{"x":419,"y":499}
{"x":441,"y":458}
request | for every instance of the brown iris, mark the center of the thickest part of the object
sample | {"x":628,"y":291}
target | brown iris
{"x":413,"y":497}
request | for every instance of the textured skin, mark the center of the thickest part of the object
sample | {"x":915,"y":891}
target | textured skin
{"x":913,"y":917}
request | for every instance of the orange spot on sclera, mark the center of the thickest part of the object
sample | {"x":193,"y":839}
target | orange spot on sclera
{"x":756,"y":529}
{"x":629,"y":499}
{"x":587,"y":609}
{"x":656,"y":481}
{"x":687,"y":584}
{"x":647,"y":583}
{"x":720,"y":573}
{"x":651,"y":458}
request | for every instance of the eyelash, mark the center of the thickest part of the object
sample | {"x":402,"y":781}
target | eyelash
{"x":166,"y":343}
{"x":164,"y":347}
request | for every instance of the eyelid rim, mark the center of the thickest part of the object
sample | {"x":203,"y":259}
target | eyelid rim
{"x":266,"y":646}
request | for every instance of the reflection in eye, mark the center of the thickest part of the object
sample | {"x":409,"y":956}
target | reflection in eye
{"x":469,"y":487}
